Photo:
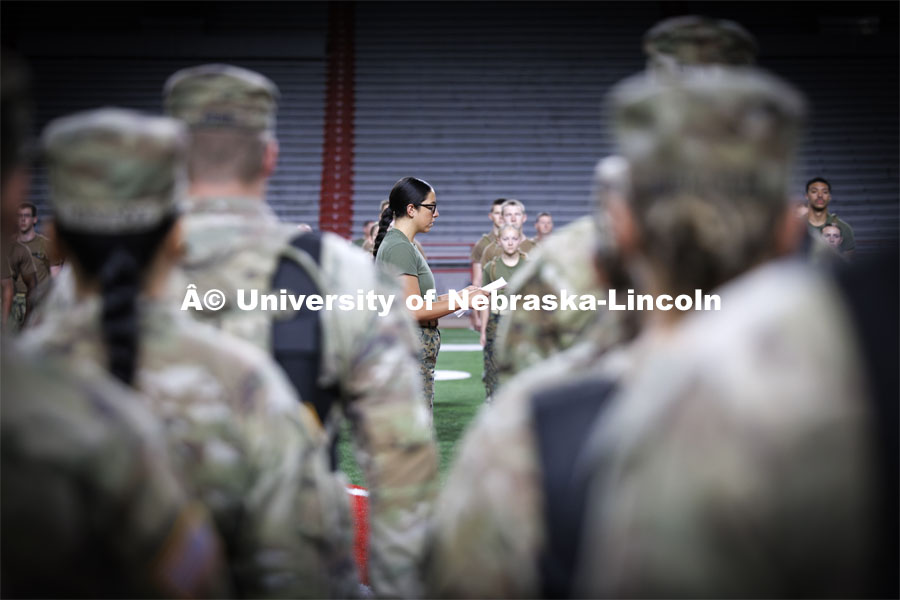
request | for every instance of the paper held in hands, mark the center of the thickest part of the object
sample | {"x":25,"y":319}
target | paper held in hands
{"x":494,"y":285}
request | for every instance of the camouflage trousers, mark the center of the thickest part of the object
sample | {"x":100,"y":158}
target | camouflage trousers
{"x":430,"y":338}
{"x":16,"y":314}
{"x":490,"y":376}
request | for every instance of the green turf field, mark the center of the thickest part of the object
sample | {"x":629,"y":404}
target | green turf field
{"x":455,"y":402}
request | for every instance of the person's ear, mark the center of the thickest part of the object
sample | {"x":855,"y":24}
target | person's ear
{"x":270,"y":157}
{"x":410,"y":211}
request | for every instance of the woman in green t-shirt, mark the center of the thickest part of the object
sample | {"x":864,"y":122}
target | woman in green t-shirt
{"x":412,"y":206}
{"x":505,"y":265}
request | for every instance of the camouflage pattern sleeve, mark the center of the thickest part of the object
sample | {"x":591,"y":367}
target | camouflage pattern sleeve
{"x":563,"y":261}
{"x":488,"y":525}
{"x":373,"y":359}
{"x":261,"y":463}
{"x":89,"y":495}
{"x":736,"y":464}
{"x":247,"y":448}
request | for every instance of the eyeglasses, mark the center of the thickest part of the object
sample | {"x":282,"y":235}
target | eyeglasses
{"x":431,"y":207}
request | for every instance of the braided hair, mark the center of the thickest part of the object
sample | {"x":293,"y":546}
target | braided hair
{"x":406,"y":191}
{"x":118,"y":263}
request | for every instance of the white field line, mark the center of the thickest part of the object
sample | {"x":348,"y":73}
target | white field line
{"x":461,"y":348}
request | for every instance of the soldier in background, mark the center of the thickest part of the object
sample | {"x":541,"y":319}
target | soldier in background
{"x":543,"y":225}
{"x":496,"y":216}
{"x":247,"y":449}
{"x":513,"y":213}
{"x":818,"y":197}
{"x":352,"y":364}
{"x":89,"y":505}
{"x":504,"y":266}
{"x":360,"y":242}
{"x":581,"y":257}
{"x":29,"y":264}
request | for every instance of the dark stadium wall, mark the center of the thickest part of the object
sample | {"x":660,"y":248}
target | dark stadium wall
{"x":481,"y":99}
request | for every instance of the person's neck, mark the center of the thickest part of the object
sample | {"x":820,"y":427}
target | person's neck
{"x":230,"y":189}
{"x":817,"y":217}
{"x":27,"y":236}
{"x":407,"y":227}
{"x":510,"y":260}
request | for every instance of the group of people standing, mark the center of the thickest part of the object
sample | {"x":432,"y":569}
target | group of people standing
{"x":153,"y":451}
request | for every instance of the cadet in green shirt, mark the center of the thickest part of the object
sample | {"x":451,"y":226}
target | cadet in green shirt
{"x":818,"y":197}
{"x":503,"y":266}
{"x":412,"y":207}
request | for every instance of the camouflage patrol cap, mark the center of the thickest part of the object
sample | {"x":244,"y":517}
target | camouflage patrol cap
{"x":115,"y":171}
{"x":693,"y":40}
{"x":709,"y":155}
{"x":729,"y":130}
{"x":217,"y":95}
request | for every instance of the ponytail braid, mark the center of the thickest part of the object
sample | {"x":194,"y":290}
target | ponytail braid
{"x":118,"y":263}
{"x":387,"y":217}
{"x":120,"y":284}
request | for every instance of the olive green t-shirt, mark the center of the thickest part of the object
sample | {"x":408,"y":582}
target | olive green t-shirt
{"x":400,"y":257}
{"x":847,"y":241}
{"x":27,"y":258}
{"x":496,"y":269}
{"x":480,"y":245}
{"x":494,"y":250}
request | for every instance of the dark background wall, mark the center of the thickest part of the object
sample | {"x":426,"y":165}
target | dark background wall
{"x":482,"y":99}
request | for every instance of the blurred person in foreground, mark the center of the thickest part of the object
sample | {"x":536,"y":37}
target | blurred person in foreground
{"x":245,"y":446}
{"x":581,"y":257}
{"x":357,"y":365}
{"x":720,"y":454}
{"x":710,"y":452}
{"x":89,"y":506}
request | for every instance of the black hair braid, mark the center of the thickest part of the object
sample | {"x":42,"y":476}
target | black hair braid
{"x":118,"y":263}
{"x":120,"y":282}
{"x":387,"y":216}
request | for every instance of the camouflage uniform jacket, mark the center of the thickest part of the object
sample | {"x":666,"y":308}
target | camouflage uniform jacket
{"x":736,"y":461}
{"x":90,"y":504}
{"x":488,"y":527}
{"x":248,"y":449}
{"x":236,"y":243}
{"x":564,"y":261}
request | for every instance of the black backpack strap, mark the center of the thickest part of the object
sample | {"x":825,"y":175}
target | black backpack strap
{"x":297,"y":342}
{"x":564,"y":418}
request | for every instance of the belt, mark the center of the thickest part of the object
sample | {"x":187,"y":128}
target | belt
{"x":431,"y":323}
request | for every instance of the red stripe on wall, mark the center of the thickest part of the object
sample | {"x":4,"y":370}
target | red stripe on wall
{"x":336,"y":201}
